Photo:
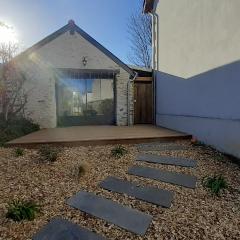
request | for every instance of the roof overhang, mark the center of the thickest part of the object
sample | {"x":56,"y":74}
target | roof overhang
{"x":148,"y":6}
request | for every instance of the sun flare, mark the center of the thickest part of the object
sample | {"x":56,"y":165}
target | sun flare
{"x":7,"y":34}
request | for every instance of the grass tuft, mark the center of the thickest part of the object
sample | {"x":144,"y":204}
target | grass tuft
{"x":118,"y":151}
{"x":215,"y":184}
{"x":19,"y":152}
{"x":48,"y":153}
{"x":22,"y":210}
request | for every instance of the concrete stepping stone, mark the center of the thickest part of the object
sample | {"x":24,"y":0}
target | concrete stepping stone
{"x":124,"y":217}
{"x":164,"y":176}
{"x":61,"y":229}
{"x":149,"y":194}
{"x":151,"y":158}
{"x":162,"y":147}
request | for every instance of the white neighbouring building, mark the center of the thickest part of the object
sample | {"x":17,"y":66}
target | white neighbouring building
{"x":196,"y":53}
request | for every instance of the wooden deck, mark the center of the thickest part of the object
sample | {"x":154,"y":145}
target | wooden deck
{"x":98,"y":135}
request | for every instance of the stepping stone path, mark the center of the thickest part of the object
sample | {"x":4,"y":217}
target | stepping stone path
{"x":164,"y":176}
{"x":151,"y":158}
{"x":124,"y":217}
{"x":149,"y":194}
{"x":113,"y":212}
{"x":161,"y":147}
{"x":60,"y":229}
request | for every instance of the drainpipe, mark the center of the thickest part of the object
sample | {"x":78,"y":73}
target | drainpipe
{"x":128,"y":97}
{"x":154,"y":58}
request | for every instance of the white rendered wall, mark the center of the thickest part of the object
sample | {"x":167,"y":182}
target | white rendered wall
{"x":197,"y":35}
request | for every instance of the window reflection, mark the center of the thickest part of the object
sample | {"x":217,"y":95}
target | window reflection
{"x":85,"y":99}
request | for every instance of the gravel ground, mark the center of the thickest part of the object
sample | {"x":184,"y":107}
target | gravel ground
{"x":195,"y":214}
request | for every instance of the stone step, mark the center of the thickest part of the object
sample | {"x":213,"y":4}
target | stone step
{"x":149,"y":194}
{"x":162,"y":147}
{"x":177,"y":161}
{"x":61,"y":229}
{"x":164,"y":176}
{"x":110,"y":211}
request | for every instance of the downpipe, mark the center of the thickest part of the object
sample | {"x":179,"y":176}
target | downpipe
{"x":154,"y":59}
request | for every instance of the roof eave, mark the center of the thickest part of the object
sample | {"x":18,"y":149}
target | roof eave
{"x":148,"y":6}
{"x":72,"y":26}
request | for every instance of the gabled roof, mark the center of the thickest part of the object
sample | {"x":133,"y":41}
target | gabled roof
{"x":148,"y":6}
{"x":72,"y":27}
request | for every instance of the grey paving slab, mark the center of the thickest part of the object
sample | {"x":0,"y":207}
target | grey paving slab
{"x":162,"y":147}
{"x":164,"y":176}
{"x":149,"y":194}
{"x":124,"y":217}
{"x":61,"y":229}
{"x":151,"y":158}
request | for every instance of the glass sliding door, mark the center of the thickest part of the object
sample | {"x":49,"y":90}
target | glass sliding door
{"x":85,"y":98}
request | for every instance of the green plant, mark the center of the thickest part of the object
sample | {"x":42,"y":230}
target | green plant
{"x":19,"y":152}
{"x":215,"y":184}
{"x":22,"y":210}
{"x":48,"y":153}
{"x":118,"y":151}
{"x":14,"y":128}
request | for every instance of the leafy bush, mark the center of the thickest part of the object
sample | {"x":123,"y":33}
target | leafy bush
{"x":118,"y":151}
{"x":19,"y":152}
{"x":48,"y":153}
{"x":15,"y":128}
{"x":22,"y":210}
{"x":215,"y":184}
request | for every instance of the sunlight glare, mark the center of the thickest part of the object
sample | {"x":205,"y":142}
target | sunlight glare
{"x":7,"y":34}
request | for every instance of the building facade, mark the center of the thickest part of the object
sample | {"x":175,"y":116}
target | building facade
{"x":74,"y":80}
{"x":196,"y":53}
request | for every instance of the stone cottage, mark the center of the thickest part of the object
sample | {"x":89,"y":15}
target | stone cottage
{"x":74,"y":80}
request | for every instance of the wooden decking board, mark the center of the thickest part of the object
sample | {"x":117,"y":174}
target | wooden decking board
{"x":94,"y":135}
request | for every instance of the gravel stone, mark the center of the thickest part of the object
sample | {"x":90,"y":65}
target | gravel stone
{"x":195,"y":214}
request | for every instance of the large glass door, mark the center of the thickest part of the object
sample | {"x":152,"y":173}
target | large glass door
{"x":85,"y":98}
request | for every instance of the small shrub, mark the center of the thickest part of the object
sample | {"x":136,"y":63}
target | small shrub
{"x":15,"y":127}
{"x":118,"y":151}
{"x":19,"y":152}
{"x":22,"y":210}
{"x":215,"y":184}
{"x":48,"y":153}
{"x":219,"y":156}
{"x":78,"y":170}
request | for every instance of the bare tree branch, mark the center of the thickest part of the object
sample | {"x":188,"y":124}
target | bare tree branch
{"x":140,"y":32}
{"x":13,"y":97}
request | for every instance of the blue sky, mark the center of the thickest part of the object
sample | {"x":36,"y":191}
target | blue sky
{"x":104,"y":20}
